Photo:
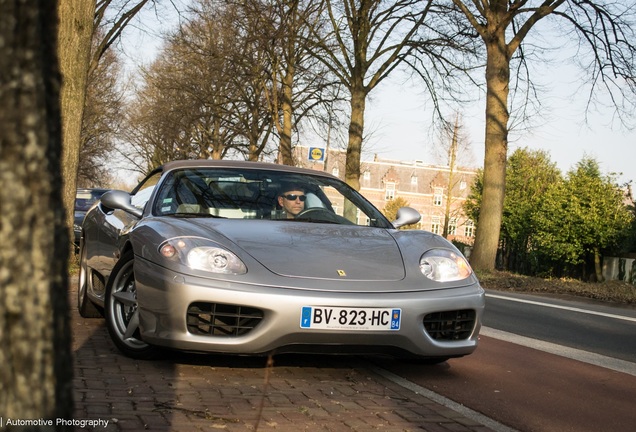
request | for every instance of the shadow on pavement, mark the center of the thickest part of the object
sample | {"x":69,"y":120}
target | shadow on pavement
{"x":191,"y":392}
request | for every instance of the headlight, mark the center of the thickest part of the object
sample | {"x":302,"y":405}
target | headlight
{"x":202,"y":254}
{"x":216,"y":260}
{"x":442,"y":265}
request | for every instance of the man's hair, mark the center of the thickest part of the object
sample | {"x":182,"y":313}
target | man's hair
{"x":289,"y":186}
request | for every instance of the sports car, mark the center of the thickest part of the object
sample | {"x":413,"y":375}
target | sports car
{"x":254,"y":258}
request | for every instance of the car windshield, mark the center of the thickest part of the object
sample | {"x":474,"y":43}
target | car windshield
{"x":262,"y":194}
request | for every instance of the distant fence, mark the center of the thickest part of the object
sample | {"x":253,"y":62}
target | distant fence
{"x":619,"y":269}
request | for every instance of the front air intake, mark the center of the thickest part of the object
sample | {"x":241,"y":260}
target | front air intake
{"x":215,"y":319}
{"x":450,"y":325}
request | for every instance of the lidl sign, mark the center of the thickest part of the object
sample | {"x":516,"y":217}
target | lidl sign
{"x":316,"y":154}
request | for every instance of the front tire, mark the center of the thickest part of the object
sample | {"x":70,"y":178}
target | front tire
{"x":122,"y":313}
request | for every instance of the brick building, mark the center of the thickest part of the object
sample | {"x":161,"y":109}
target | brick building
{"x":424,"y":187}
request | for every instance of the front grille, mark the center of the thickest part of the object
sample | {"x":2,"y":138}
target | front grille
{"x":214,"y":319}
{"x":450,"y":325}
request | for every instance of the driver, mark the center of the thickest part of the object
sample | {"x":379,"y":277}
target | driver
{"x":292,"y":200}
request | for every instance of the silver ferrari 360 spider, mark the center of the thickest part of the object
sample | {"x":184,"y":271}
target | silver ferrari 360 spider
{"x":255,"y":258}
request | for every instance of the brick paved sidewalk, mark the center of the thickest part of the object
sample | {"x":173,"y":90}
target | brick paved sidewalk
{"x":187,"y":392}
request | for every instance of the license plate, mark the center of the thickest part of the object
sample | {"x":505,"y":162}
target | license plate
{"x":337,"y":318}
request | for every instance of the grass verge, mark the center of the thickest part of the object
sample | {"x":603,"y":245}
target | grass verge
{"x":611,"y":291}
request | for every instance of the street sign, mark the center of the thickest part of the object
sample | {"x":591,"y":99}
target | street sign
{"x":316,"y":154}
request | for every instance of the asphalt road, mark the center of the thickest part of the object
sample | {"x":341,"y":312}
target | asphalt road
{"x":535,"y":374}
{"x":531,"y":390}
{"x":598,"y":327}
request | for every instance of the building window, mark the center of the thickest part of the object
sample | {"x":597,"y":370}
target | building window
{"x":462,"y":185}
{"x":435,"y":225}
{"x":452,"y":226}
{"x":469,"y":228}
{"x":335,"y":171}
{"x":414,"y":180}
{"x":367,"y":175}
{"x":438,"y":196}
{"x":389,"y":191}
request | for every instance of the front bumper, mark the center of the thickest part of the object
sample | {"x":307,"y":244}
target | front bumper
{"x":165,"y":297}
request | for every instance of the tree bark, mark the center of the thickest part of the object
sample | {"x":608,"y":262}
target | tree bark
{"x":354,"y":147}
{"x":74,"y":33}
{"x":452,"y":161}
{"x":287,"y":109}
{"x":496,"y":148}
{"x":36,"y":377}
{"x":598,"y":266}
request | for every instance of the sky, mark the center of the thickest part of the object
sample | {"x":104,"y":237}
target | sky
{"x":398,"y":113}
{"x":398,"y":117}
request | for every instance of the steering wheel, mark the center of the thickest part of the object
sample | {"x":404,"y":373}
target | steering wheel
{"x":321,"y":214}
{"x":313,"y":210}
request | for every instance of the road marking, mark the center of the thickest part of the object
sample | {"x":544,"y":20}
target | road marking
{"x":563,"y":351}
{"x":569,"y":308}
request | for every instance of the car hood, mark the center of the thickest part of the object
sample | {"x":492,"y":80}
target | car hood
{"x":322,"y":251}
{"x":307,"y":250}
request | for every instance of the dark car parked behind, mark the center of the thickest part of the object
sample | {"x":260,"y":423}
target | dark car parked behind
{"x":84,"y":199}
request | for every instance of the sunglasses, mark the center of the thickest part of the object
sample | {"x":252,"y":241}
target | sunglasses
{"x":292,"y":197}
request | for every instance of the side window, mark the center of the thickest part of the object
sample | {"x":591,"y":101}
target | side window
{"x":389,"y":192}
{"x":469,"y":229}
{"x":452,"y":226}
{"x":144,"y":190}
{"x":313,"y":201}
{"x":438,"y":196}
{"x":435,"y":225}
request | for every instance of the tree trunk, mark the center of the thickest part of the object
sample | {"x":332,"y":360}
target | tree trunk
{"x":217,"y":142}
{"x":36,"y":377}
{"x":452,"y":160}
{"x":354,"y":148}
{"x":496,"y":147}
{"x":286,"y":107}
{"x":74,"y":33}
{"x":598,"y":268}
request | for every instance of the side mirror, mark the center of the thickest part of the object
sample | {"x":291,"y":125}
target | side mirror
{"x":120,"y":200}
{"x":406,"y":216}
